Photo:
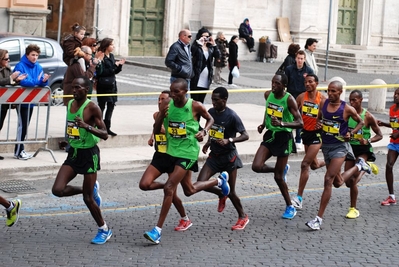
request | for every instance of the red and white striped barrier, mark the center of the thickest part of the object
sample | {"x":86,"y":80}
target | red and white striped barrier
{"x":18,"y":95}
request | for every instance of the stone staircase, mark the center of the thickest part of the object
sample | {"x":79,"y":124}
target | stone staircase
{"x":375,"y":61}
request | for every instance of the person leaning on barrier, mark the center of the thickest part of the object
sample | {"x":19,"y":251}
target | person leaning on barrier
{"x":34,"y":77}
{"x":7,"y":78}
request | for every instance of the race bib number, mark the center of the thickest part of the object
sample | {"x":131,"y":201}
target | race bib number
{"x":310,"y":109}
{"x":275,"y":110}
{"x":394,"y":121}
{"x":216,"y":132}
{"x":160,"y":143}
{"x":358,"y":135}
{"x":177,"y":129}
{"x":331,"y":127}
{"x":72,"y":130}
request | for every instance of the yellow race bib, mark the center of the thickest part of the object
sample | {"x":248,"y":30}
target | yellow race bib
{"x":275,"y":110}
{"x":160,"y":142}
{"x":331,"y":127}
{"x":216,"y":132}
{"x":72,"y":130}
{"x":394,"y":121}
{"x":310,"y":109}
{"x":177,"y":129}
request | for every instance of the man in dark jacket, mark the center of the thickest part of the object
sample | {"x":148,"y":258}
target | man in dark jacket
{"x":245,"y":32}
{"x":296,"y":82}
{"x":178,"y":58}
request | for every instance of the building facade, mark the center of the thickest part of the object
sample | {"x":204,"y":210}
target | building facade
{"x":149,"y":27}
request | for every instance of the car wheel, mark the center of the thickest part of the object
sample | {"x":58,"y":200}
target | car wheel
{"x":56,"y":90}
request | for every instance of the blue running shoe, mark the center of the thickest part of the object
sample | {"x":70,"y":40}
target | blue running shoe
{"x":154,"y":236}
{"x":286,"y":169}
{"x":289,"y":213}
{"x":102,"y":237}
{"x":96,"y":194}
{"x":224,"y":176}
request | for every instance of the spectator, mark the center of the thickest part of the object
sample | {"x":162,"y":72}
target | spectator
{"x":35,"y":77}
{"x":233,"y":58}
{"x":7,"y":78}
{"x":290,"y":59}
{"x":107,"y":81}
{"x":310,"y":47}
{"x":93,"y":44}
{"x":220,"y":63}
{"x":245,"y":31}
{"x":296,"y":83}
{"x":178,"y":58}
{"x":82,"y":65}
{"x":203,"y":51}
{"x":71,"y":41}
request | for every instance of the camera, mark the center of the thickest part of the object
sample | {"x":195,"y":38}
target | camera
{"x":207,"y":39}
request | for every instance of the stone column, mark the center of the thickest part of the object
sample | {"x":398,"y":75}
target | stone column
{"x":377,"y":97}
{"x":28,"y":21}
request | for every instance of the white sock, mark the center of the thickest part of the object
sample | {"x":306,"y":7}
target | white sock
{"x":158,"y":229}
{"x":359,"y":167}
{"x":11,"y":206}
{"x":392,"y":196}
{"x":320,"y":219}
{"x":185,"y":218}
{"x":219,"y":181}
{"x":104,"y":227}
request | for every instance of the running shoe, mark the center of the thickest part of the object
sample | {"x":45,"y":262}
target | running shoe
{"x":314,"y":224}
{"x":363,"y":165}
{"x":23,"y":155}
{"x":241,"y":223}
{"x":96,"y":194}
{"x":374,"y":167}
{"x":222,"y":203}
{"x":286,"y":169}
{"x":183,"y":225}
{"x":296,"y":202}
{"x":353,"y":213}
{"x":102,"y":237}
{"x":388,"y":201}
{"x":289,"y":213}
{"x":224,"y":176}
{"x":153,"y":235}
{"x":13,"y":214}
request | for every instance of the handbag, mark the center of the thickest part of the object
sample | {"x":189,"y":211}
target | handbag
{"x":106,"y":80}
{"x":235,"y":72}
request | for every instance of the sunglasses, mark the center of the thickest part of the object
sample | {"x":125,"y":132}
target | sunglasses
{"x":189,"y":36}
{"x":94,"y":45}
{"x":6,"y":59}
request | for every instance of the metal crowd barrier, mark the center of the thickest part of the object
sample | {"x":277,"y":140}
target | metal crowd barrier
{"x":13,"y":97}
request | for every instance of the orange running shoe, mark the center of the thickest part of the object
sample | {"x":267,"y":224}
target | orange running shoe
{"x":183,"y":225}
{"x":241,"y":223}
{"x":222,"y":203}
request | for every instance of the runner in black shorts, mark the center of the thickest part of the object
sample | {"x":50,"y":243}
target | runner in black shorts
{"x":223,"y":155}
{"x":281,"y":116}
{"x":279,"y":143}
{"x":309,"y":105}
{"x":162,"y":163}
{"x":361,"y":146}
{"x":84,"y":161}
{"x":85,"y":127}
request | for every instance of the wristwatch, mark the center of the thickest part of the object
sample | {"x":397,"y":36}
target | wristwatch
{"x":89,"y":128}
{"x":231,"y":140}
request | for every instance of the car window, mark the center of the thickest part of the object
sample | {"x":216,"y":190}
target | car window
{"x":13,"y":48}
{"x":46,"y":49}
